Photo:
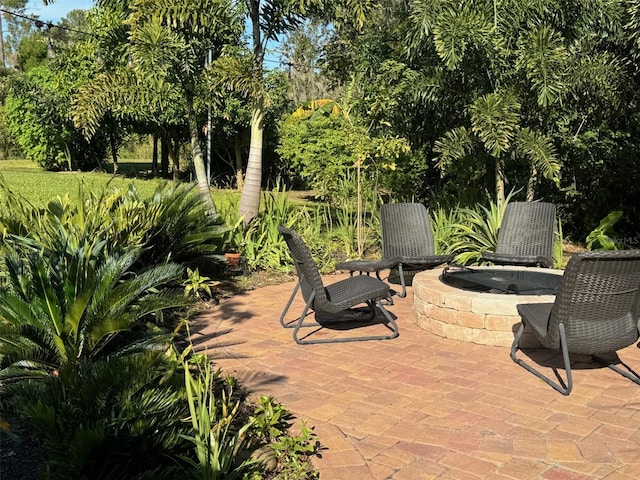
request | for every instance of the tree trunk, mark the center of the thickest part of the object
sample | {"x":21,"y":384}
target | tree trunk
{"x":4,"y":62}
{"x":174,"y":153}
{"x":250,"y":197}
{"x":198,"y":158}
{"x":531,"y":184}
{"x":154,"y":156}
{"x":239,"y":174}
{"x":500,"y":180}
{"x":164,"y":156}
{"x":114,"y":152}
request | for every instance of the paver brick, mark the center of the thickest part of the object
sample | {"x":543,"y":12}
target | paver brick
{"x":468,"y":464}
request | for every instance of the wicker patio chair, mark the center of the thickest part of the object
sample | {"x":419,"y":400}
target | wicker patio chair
{"x":335,"y":302}
{"x":526,"y":235}
{"x":596,"y":312}
{"x":407,"y":245}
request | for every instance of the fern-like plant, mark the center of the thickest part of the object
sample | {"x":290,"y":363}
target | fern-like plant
{"x":478,"y":230}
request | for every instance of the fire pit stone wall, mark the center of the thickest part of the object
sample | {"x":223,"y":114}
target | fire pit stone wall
{"x":477,"y":317}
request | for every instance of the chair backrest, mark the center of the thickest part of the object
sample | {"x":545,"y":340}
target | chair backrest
{"x":527,"y":229}
{"x":406,"y":230}
{"x":306,"y":268}
{"x":599,"y":302}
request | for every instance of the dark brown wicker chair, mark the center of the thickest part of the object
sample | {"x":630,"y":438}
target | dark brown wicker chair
{"x":335,"y":302}
{"x":526,"y":235}
{"x":407,"y":245}
{"x":596,"y":312}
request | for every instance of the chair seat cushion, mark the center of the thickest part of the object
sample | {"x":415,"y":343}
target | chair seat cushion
{"x":353,"y":291}
{"x":368,"y":265}
{"x":425,"y":262}
{"x":524,"y":260}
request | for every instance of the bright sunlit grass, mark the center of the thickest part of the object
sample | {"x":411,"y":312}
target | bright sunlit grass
{"x":26,"y":179}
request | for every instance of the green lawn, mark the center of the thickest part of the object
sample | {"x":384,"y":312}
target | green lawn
{"x":38,"y":186}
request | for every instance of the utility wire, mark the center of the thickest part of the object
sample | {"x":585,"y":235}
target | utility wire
{"x":41,"y":23}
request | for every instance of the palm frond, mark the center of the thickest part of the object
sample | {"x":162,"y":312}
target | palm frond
{"x":542,"y":57}
{"x":539,"y":150}
{"x":495,"y":118}
{"x":454,"y":146}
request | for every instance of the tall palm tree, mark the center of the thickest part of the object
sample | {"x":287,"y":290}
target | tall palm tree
{"x":268,"y":20}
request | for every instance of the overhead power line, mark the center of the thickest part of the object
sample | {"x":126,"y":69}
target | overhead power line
{"x":42,"y":23}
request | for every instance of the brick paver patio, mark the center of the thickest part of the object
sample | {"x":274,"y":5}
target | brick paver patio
{"x":425,"y":407}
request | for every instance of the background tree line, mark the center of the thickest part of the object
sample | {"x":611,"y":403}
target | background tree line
{"x":437,"y":100}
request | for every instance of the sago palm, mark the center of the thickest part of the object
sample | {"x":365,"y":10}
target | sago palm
{"x":59,"y":308}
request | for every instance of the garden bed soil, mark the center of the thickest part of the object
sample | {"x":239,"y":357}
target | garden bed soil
{"x":20,"y":455}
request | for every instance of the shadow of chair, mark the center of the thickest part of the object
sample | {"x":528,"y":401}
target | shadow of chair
{"x":334,"y":305}
{"x":407,"y":245}
{"x":526,"y":235}
{"x":596,"y":312}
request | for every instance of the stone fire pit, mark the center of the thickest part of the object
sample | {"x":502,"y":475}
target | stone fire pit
{"x":472,"y":316}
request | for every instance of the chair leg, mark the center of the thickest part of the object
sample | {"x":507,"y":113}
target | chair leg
{"x":390,"y":321}
{"x":628,"y":373}
{"x":561,"y":386}
{"x":403,"y":292}
{"x":293,"y":323}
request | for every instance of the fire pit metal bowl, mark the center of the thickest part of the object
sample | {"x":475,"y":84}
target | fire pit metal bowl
{"x":479,"y":304}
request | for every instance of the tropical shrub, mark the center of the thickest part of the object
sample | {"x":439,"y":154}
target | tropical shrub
{"x":36,"y":113}
{"x":86,"y":362}
{"x":81,"y":356}
{"x":444,"y":223}
{"x":319,"y":147}
{"x":477,"y":231}
{"x":263,"y":246}
{"x":603,"y":236}
{"x":216,"y":440}
{"x":324,"y":143}
{"x":171,"y":224}
{"x":119,"y":418}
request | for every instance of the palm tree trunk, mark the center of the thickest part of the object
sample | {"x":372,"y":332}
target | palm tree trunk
{"x":198,"y":158}
{"x":531,"y":184}
{"x":164,"y":156}
{"x":500,"y":180}
{"x":250,"y":197}
{"x":114,"y":151}
{"x":154,"y":155}
{"x":4,"y":62}
{"x":239,"y":173}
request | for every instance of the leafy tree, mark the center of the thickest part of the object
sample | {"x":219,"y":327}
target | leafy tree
{"x":36,"y":113}
{"x":302,"y":50}
{"x":524,"y":58}
{"x":538,"y":74}
{"x":167,"y":44}
{"x":320,"y":146}
{"x":31,"y":52}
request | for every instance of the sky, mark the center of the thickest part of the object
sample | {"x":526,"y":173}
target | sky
{"x":59,"y":9}
{"x":56,"y":10}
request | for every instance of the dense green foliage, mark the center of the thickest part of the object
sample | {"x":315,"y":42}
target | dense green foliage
{"x":437,"y":101}
{"x":169,"y":225}
{"x":506,"y":94}
{"x":90,"y":356}
{"x":36,"y":112}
